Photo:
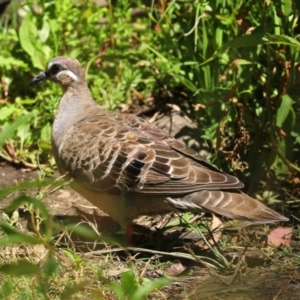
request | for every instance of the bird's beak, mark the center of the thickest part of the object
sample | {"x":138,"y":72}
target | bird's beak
{"x":38,"y":78}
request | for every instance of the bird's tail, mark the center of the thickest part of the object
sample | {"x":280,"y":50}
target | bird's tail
{"x":232,"y":204}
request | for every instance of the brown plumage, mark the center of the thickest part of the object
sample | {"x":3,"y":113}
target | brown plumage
{"x":128,"y":167}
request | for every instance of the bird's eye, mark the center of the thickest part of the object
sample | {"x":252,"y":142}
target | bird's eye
{"x":55,"y":69}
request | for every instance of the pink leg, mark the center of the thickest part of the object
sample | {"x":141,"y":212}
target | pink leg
{"x":128,"y":233}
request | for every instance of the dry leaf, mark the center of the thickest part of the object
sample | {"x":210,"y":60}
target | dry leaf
{"x":117,"y":272}
{"x":216,"y":227}
{"x":176,"y":269}
{"x":216,"y":224}
{"x":280,"y":236}
{"x":216,"y":232}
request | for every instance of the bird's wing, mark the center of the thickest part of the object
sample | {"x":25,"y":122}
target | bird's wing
{"x":116,"y":153}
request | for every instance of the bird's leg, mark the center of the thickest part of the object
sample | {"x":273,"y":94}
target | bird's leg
{"x":106,"y":222}
{"x":128,"y":233}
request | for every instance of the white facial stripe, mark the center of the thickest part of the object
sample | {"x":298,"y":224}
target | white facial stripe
{"x":50,"y":64}
{"x":68,"y":73}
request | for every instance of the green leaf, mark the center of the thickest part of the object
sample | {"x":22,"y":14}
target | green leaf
{"x":29,"y":199}
{"x":30,"y":42}
{"x":72,"y":255}
{"x":7,"y":111}
{"x":296,"y":136}
{"x":51,"y":265}
{"x":254,"y":39}
{"x":21,"y":268}
{"x":148,"y":287}
{"x":281,"y":39}
{"x":129,"y":287}
{"x":287,"y":7}
{"x":7,"y":132}
{"x":45,"y":30}
{"x":23,"y":133}
{"x":16,"y":237}
{"x":11,"y":62}
{"x":129,"y":283}
{"x":283,"y":110}
{"x":44,"y":141}
{"x":46,"y":132}
{"x":70,"y":291}
{"x":25,"y":185}
{"x":27,"y":33}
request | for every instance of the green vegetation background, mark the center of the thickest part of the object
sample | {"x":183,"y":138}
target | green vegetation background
{"x":232,"y":66}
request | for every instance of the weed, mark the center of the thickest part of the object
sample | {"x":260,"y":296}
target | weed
{"x":232,"y":66}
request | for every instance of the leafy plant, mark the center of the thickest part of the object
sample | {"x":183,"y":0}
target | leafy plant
{"x":232,"y":66}
{"x":129,"y":288}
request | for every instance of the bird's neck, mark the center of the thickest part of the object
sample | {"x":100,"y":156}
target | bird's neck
{"x":75,"y":98}
{"x":73,"y":103}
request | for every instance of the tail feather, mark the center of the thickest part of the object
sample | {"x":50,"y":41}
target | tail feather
{"x":232,"y":204}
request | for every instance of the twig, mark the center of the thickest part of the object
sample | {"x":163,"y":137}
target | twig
{"x":284,"y":286}
{"x":35,"y":225}
{"x":18,"y":162}
{"x":60,"y":238}
{"x":238,"y":267}
{"x":173,"y":254}
{"x":147,"y":264}
{"x":290,"y":165}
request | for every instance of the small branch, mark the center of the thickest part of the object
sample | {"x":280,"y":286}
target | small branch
{"x":291,"y":166}
{"x":18,"y":162}
{"x":173,"y":254}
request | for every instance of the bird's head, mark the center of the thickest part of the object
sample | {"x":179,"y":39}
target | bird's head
{"x":62,"y":70}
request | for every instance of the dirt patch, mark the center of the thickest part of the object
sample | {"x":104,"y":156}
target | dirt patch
{"x":254,"y":284}
{"x":64,"y":202}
